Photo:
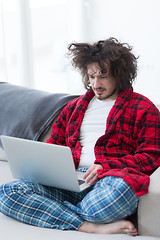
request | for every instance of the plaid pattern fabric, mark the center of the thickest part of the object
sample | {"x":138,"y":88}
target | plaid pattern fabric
{"x":109,"y":200}
{"x":38,"y":205}
{"x":130,"y":147}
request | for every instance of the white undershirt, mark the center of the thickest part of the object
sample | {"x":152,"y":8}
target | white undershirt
{"x":93,"y":126}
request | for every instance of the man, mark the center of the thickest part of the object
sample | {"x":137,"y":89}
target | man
{"x":114,"y":137}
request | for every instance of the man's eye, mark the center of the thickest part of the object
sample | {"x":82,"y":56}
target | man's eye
{"x":104,"y":76}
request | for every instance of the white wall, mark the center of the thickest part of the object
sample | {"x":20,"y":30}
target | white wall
{"x":56,"y":23}
{"x":138,"y":23}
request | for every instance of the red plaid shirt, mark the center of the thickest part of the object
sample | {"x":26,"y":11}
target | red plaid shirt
{"x":130,"y":147}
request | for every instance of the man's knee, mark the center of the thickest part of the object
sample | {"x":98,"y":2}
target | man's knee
{"x":111,"y":199}
{"x":10,"y":191}
{"x":118,"y":190}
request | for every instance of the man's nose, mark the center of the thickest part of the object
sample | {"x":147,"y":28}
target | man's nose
{"x":97,"y":82}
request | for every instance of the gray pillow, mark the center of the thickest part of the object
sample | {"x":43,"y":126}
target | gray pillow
{"x":29,"y":113}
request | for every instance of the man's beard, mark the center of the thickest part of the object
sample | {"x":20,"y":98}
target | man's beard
{"x":101,"y":97}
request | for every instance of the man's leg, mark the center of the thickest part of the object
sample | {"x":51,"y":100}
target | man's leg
{"x":48,"y":207}
{"x":39,"y":205}
{"x":104,"y":207}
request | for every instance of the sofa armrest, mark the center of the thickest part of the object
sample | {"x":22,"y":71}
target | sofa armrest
{"x":149,"y":208}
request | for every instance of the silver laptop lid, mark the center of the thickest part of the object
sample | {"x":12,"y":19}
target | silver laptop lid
{"x":48,"y":164}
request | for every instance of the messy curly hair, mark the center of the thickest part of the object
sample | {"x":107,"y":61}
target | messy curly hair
{"x":122,"y":62}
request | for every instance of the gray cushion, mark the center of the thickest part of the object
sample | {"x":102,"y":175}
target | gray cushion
{"x":29,"y":113}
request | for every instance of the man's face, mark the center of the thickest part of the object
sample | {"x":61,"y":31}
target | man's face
{"x":103,"y":85}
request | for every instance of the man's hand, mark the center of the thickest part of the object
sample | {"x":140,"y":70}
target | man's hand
{"x":91,"y":175}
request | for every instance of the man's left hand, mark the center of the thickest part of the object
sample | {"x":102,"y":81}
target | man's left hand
{"x":91,"y":175}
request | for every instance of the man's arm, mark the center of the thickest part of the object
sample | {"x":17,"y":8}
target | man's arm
{"x":122,"y":161}
{"x":146,"y":157}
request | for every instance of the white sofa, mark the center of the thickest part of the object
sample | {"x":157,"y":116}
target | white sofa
{"x":148,"y":210}
{"x":148,"y":218}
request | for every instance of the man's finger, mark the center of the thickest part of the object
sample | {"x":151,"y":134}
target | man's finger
{"x":91,"y":176}
{"x":88,"y":172}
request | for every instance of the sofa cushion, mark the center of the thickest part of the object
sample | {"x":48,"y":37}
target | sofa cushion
{"x":2,"y":155}
{"x":29,"y":113}
{"x":149,"y":208}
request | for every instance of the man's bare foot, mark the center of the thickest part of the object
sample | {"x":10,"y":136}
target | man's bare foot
{"x":120,"y":226}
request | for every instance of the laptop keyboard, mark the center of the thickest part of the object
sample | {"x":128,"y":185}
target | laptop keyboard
{"x":81,"y":181}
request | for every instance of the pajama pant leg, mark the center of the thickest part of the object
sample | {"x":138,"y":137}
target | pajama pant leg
{"x":110,"y":200}
{"x":39,"y":205}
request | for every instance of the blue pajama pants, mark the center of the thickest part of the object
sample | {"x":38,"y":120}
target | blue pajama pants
{"x":109,"y":200}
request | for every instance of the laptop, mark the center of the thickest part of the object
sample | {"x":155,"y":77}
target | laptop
{"x":47,"y":164}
